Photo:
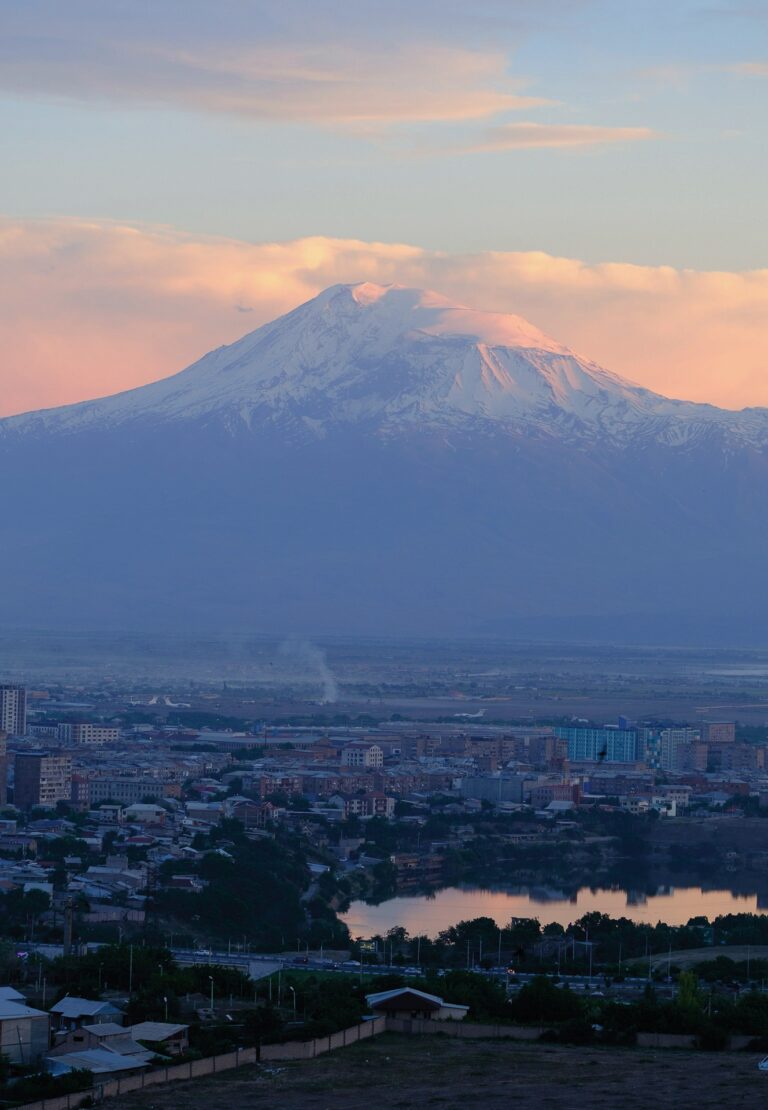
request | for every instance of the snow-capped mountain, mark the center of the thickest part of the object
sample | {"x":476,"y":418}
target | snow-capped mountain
{"x":383,"y":461}
{"x":392,"y":358}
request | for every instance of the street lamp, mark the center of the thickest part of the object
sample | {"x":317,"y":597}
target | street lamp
{"x":293,"y":992}
{"x":165,"y":1000}
{"x":211,"y":981}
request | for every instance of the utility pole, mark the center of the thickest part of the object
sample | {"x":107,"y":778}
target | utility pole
{"x":69,"y":910}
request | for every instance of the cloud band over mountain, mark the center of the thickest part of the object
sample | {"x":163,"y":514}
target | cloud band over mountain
{"x":91,"y":308}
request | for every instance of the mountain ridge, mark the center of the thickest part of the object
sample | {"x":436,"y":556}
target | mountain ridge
{"x":393,"y":358}
{"x":376,"y":463}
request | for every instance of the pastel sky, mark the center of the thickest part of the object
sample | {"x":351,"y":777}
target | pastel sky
{"x":175,"y":172}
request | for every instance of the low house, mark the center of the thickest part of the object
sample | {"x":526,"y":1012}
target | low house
{"x":104,"y":1035}
{"x":406,"y":1002}
{"x":163,"y":1037}
{"x":96,"y":1060}
{"x":71,"y":1013}
{"x":24,"y":1032}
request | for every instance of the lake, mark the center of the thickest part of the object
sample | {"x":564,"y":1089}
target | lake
{"x":428,"y":914}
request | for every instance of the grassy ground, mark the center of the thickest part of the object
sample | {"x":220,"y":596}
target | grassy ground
{"x":688,"y":956}
{"x":402,"y":1072}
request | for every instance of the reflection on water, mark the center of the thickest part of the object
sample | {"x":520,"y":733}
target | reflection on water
{"x":428,"y":914}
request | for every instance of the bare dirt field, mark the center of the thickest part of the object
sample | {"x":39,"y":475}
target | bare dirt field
{"x":402,"y":1072}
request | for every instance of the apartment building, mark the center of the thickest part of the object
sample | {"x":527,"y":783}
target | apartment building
{"x":42,"y":779}
{"x":85,"y":732}
{"x":361,"y":754}
{"x":679,"y":749}
{"x":13,"y":710}
{"x":127,"y":790}
{"x":3,"y":768}
{"x":599,"y":745}
{"x":719,"y":732}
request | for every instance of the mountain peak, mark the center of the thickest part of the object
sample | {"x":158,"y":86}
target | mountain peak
{"x":390,"y":360}
{"x":402,"y":309}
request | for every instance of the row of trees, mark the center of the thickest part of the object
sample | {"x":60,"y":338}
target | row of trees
{"x":616,"y":943}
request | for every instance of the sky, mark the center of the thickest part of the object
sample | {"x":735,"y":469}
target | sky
{"x":176,"y":172}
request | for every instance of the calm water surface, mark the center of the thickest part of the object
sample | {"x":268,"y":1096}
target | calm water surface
{"x":427,"y":915}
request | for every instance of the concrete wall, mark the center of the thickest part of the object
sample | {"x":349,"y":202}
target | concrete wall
{"x":464,"y":1030}
{"x":736,"y":1042}
{"x":666,"y":1040}
{"x":111,"y":1087}
{"x":307,"y":1050}
{"x":194,"y":1069}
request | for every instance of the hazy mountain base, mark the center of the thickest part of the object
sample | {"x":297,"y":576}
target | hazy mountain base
{"x":200,"y":530}
{"x":382,"y":462}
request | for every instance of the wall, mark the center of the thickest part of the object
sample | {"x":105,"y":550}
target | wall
{"x":111,"y":1087}
{"x":293,"y":1050}
{"x":666,"y":1040}
{"x":462,"y":1029}
{"x":306,"y":1050}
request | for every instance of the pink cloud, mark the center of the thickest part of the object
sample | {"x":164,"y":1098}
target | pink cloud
{"x":750,"y":69}
{"x":525,"y":136}
{"x":92,"y":308}
{"x":323,"y":83}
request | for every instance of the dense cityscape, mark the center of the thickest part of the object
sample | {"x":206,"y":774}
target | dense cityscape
{"x":128,"y":819}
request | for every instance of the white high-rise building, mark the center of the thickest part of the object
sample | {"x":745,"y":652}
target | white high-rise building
{"x":676,"y":748}
{"x":13,"y":710}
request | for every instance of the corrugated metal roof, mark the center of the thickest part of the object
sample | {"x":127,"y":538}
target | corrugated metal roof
{"x":80,"y":1007}
{"x":155,"y":1030}
{"x":10,"y":1010}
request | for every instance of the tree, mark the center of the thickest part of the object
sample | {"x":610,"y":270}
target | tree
{"x":689,"y":998}
{"x":540,"y":1000}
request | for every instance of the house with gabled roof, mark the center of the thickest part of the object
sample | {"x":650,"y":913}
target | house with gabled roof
{"x":409,"y":1003}
{"x":102,"y":1035}
{"x":71,"y":1012}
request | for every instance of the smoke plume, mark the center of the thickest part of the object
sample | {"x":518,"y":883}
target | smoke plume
{"x":306,"y":655}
